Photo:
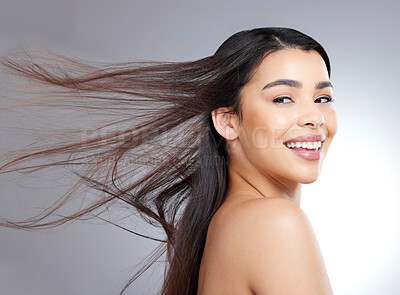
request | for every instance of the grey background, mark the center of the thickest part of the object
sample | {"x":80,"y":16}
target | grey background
{"x":353,"y":207}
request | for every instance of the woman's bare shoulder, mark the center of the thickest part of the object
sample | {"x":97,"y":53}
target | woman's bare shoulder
{"x":273,"y":244}
{"x":256,"y":212}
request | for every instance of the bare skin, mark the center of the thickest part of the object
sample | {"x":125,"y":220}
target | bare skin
{"x":260,"y":241}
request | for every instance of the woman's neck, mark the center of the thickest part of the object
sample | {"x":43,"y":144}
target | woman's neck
{"x":263,"y":186}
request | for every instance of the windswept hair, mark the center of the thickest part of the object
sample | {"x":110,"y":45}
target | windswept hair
{"x":163,"y":159}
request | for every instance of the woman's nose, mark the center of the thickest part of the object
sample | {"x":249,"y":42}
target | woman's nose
{"x":311,"y":115}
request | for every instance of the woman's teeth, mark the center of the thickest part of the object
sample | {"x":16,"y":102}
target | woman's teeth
{"x":311,"y":145}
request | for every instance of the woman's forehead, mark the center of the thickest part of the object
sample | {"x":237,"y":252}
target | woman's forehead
{"x":293,"y":64}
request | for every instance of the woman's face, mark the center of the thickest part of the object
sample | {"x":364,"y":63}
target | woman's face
{"x":287,"y":97}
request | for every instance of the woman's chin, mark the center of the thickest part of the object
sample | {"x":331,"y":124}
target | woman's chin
{"x":308,"y":176}
{"x":308,"y":180}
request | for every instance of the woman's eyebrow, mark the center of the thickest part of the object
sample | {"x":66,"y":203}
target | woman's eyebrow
{"x":323,"y":84}
{"x":297,"y":84}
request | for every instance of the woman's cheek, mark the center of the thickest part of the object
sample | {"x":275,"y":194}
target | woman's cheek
{"x":261,"y":138}
{"x":331,"y":122}
{"x":279,"y":125}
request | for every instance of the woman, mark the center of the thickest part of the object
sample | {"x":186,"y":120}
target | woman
{"x":217,"y":149}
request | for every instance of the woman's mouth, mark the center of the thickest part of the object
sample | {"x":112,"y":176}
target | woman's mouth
{"x":309,"y":150}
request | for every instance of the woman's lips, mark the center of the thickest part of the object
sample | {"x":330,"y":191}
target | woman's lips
{"x":308,"y":154}
{"x":307,"y":138}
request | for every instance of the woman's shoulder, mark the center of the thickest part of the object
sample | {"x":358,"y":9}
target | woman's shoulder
{"x":258,"y":224}
{"x":272,"y":243}
{"x":257,"y":212}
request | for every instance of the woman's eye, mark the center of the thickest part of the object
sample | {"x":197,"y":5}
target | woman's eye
{"x":325,"y":98}
{"x":281,"y":99}
{"x":287,"y":99}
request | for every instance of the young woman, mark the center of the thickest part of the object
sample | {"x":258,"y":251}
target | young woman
{"x":214,"y":152}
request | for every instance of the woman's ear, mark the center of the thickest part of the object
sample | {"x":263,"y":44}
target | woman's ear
{"x":225,"y":122}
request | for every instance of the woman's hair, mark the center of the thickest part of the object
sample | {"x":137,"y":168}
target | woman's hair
{"x":163,"y":158}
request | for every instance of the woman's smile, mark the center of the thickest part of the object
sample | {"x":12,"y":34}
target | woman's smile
{"x":307,"y":146}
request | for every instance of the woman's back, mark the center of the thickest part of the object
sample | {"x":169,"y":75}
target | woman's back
{"x":258,"y":245}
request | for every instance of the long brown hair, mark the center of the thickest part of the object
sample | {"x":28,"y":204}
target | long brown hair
{"x":163,"y":159}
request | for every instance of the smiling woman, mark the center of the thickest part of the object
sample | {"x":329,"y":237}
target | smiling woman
{"x":215,"y":152}
{"x":272,"y":149}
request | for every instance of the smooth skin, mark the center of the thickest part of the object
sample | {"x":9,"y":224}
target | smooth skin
{"x":260,"y":241}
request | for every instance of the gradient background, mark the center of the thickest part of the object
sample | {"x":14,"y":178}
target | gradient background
{"x":354,"y":206}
